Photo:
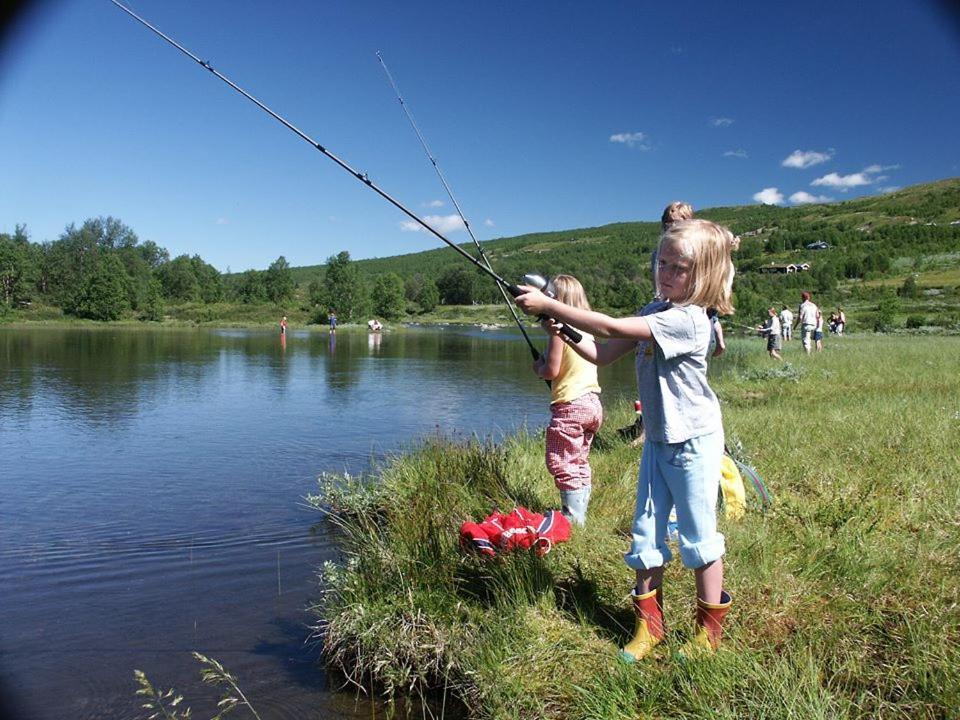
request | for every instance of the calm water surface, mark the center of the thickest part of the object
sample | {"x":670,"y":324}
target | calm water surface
{"x":152,"y":483}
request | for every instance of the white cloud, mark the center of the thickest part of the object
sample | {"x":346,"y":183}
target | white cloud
{"x":872,"y":169}
{"x":868,"y":176}
{"x":805,"y":198}
{"x":222,"y":221}
{"x":440,"y":223}
{"x":738,"y":153}
{"x":434,"y":204}
{"x":769,"y":196}
{"x":635,"y":139}
{"x":721,"y":121}
{"x":488,"y":223}
{"x":843,"y":182}
{"x":807,"y":158}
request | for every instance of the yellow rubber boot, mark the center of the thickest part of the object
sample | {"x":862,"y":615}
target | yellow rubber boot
{"x":649,"y":628}
{"x":709,"y":627}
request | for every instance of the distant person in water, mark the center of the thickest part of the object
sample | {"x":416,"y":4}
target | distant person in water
{"x":374,"y":325}
{"x":332,"y":318}
{"x":283,"y":325}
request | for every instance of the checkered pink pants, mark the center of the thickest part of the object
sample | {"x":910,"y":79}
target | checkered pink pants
{"x":569,"y":436}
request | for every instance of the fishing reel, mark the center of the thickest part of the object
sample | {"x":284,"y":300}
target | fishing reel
{"x":546,"y":287}
{"x":540,"y":283}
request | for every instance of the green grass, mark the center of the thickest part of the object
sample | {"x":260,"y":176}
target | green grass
{"x":846,"y":599}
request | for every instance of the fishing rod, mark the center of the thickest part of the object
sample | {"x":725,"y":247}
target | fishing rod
{"x":446,"y":186}
{"x":362,"y":177}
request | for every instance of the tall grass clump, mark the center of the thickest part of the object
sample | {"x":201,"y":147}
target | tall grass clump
{"x":846,"y":599}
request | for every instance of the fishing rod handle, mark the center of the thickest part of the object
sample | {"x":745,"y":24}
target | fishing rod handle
{"x":564,"y":328}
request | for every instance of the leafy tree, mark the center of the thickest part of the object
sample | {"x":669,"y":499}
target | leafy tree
{"x":428,"y":296}
{"x":388,"y":296}
{"x":109,"y":233}
{"x":456,"y":286}
{"x":152,"y":254}
{"x":103,"y":293}
{"x":345,"y":288}
{"x":178,"y":279}
{"x":317,"y":294}
{"x":151,"y":303}
{"x":14,"y":268}
{"x":250,"y":288}
{"x":886,"y":310}
{"x":278,"y":281}
{"x":68,"y":261}
{"x":909,"y":289}
{"x":209,"y":280}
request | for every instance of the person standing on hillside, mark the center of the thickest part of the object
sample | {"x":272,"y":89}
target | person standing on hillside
{"x":771,"y":328}
{"x":786,"y":323}
{"x":818,"y":332}
{"x":575,"y":410}
{"x":683,"y":449}
{"x":807,"y":320}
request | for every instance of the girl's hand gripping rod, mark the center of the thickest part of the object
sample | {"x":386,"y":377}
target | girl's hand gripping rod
{"x":546,"y":288}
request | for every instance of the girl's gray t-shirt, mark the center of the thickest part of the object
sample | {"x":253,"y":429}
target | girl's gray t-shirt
{"x":677,"y":403}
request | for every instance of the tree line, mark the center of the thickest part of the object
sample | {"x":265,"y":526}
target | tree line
{"x":101,"y":270}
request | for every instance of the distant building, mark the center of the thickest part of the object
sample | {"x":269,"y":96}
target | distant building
{"x":774,"y":269}
{"x":818,"y":245}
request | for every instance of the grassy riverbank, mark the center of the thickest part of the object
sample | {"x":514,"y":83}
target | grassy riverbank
{"x":846,"y":598}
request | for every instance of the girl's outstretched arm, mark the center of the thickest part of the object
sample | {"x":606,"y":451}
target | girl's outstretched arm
{"x":599,"y":355}
{"x":534,"y":302}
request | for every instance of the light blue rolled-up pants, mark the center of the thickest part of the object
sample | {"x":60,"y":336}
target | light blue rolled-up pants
{"x":685,"y":475}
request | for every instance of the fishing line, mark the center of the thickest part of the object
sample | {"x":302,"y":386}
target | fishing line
{"x":446,"y":186}
{"x":362,"y":177}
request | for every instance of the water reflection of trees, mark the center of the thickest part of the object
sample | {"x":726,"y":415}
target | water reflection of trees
{"x":105,"y":376}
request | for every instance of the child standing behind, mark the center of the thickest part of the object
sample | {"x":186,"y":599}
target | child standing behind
{"x":681,"y":461}
{"x":771,"y":328}
{"x":575,"y":410}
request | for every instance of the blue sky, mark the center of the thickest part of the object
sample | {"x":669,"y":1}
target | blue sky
{"x":542,"y":115}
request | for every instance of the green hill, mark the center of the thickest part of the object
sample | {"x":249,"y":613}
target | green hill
{"x":892,"y":261}
{"x":875,"y":244}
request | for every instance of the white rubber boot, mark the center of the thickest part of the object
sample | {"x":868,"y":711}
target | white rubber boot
{"x":573,"y":504}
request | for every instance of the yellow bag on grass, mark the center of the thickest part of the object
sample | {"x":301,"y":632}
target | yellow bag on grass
{"x":731,"y":488}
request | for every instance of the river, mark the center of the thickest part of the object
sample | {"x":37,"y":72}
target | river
{"x":152,"y":485}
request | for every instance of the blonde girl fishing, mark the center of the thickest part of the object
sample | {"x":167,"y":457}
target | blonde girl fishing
{"x":575,"y":410}
{"x":682,"y":452}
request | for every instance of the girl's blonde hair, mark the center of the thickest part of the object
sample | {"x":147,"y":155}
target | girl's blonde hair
{"x":675,"y":212}
{"x":708,"y":246}
{"x":569,"y":291}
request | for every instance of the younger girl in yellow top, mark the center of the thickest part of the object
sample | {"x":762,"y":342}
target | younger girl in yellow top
{"x":576,"y":413}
